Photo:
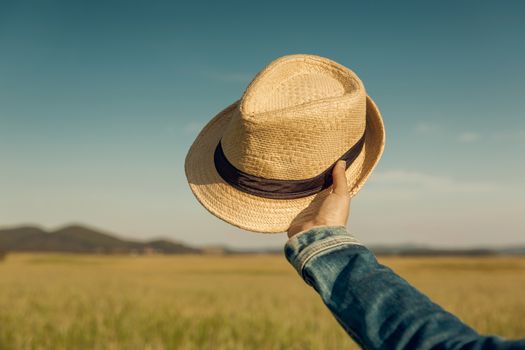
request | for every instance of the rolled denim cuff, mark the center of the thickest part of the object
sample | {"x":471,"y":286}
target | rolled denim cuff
{"x":304,"y":246}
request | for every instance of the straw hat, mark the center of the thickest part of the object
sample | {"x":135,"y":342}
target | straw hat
{"x":263,"y":159}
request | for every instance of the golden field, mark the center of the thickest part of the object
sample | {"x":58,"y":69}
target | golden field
{"x":57,"y":301}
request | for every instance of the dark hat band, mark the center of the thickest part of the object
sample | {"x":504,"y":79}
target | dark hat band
{"x":280,"y":189}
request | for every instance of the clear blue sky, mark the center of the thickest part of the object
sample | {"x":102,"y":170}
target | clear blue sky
{"x":100,"y":101}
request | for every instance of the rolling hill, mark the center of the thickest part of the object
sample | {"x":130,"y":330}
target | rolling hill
{"x":80,"y":239}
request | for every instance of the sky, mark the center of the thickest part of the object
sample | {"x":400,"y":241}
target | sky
{"x":101,"y":100}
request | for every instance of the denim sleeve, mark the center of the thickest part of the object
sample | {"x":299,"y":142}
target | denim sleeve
{"x":376,"y":307}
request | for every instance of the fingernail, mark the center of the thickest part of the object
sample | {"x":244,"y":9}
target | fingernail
{"x":341,"y":163}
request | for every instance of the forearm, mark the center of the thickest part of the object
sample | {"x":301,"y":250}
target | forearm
{"x":379,"y":309}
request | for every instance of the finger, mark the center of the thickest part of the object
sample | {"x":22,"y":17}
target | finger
{"x":339,"y":178}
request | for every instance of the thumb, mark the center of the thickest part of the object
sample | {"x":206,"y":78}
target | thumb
{"x":340,"y":185}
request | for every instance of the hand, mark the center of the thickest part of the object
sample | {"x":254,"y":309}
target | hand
{"x":330,"y":209}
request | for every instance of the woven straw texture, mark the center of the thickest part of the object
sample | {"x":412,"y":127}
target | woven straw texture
{"x":296,"y":118}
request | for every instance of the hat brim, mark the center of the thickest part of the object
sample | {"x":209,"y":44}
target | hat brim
{"x":260,"y":214}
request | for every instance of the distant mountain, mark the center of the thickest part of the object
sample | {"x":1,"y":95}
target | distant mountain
{"x":80,"y":239}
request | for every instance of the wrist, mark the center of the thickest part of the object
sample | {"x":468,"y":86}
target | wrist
{"x":297,"y":229}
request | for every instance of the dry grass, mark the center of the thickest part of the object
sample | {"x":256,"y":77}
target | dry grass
{"x":207,"y":302}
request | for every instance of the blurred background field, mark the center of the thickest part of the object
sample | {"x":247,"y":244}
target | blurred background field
{"x":68,"y":301}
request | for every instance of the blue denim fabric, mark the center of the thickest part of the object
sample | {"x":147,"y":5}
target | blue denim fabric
{"x":376,"y":307}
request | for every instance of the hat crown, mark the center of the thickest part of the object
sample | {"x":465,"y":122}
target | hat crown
{"x":296,"y":118}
